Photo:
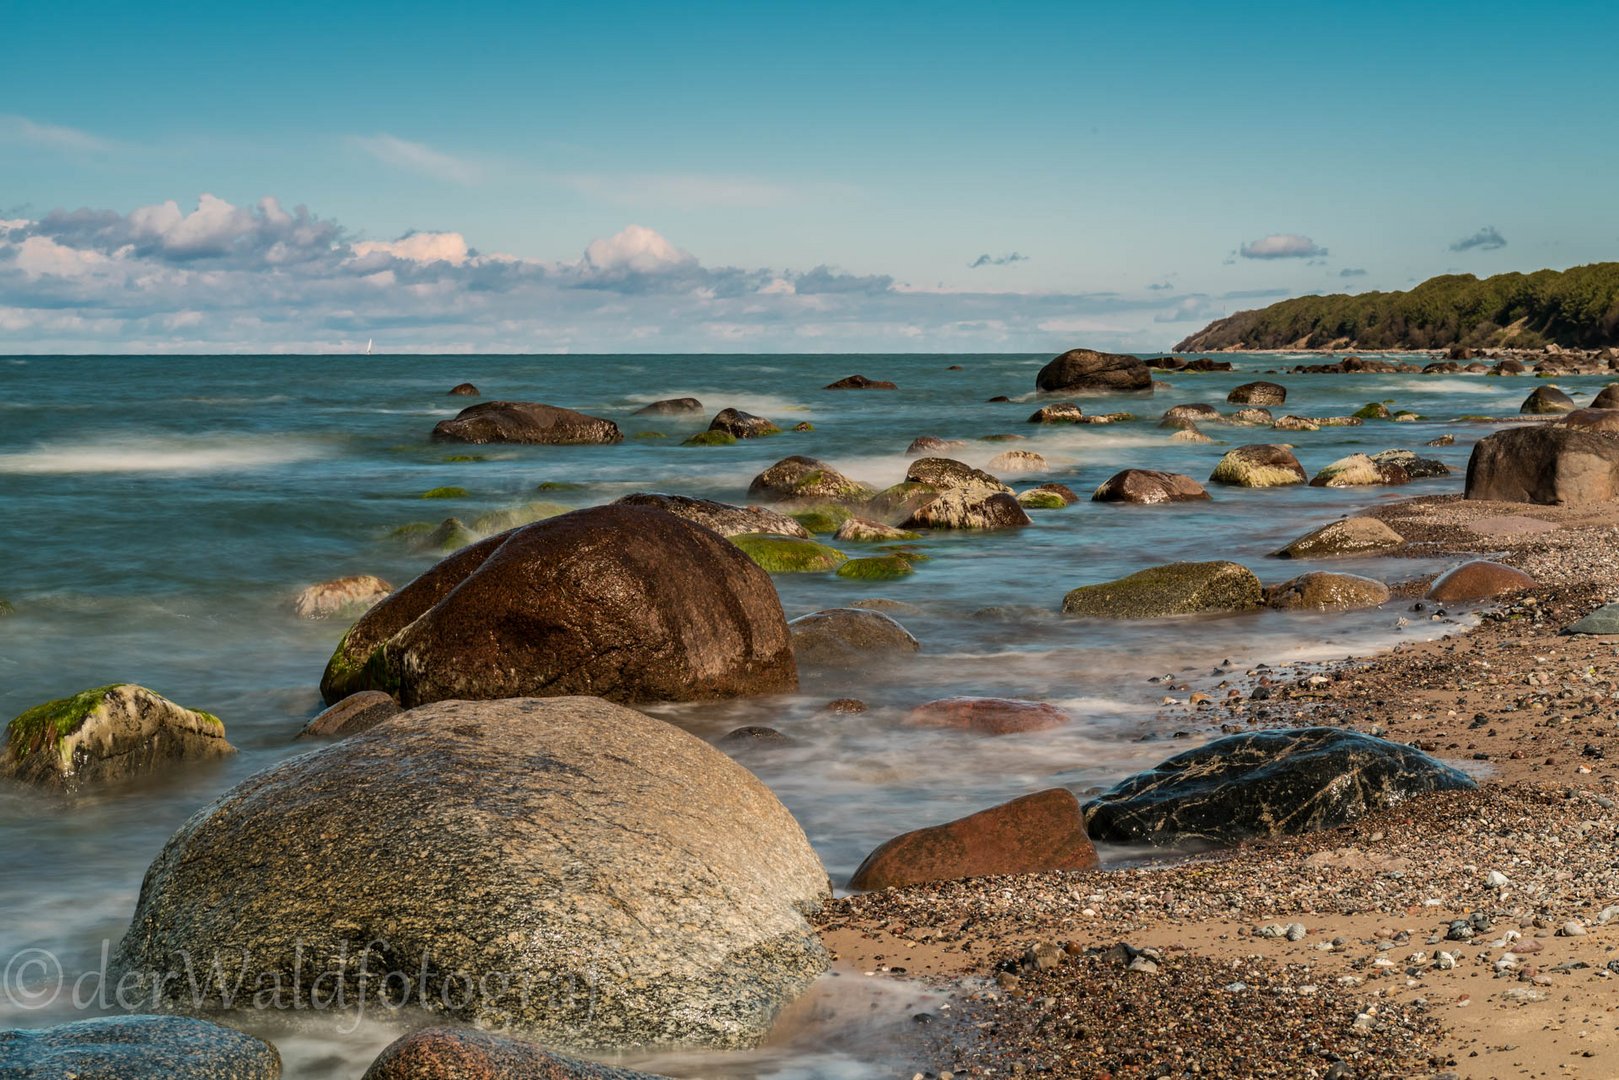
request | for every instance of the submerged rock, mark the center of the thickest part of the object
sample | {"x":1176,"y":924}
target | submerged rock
{"x":1479,"y":580}
{"x":1036,"y":833}
{"x":625,"y":602}
{"x":928,"y":444}
{"x":136,"y":1048}
{"x":988,"y":715}
{"x":944,"y":473}
{"x":860,"y":382}
{"x":1544,"y":400}
{"x":710,"y":438}
{"x":1183,"y":588}
{"x":465,"y":389}
{"x":1547,"y":464}
{"x":1149,"y":486}
{"x":525,"y":422}
{"x":1258,"y":393}
{"x":723,"y":518}
{"x":1351,"y":536}
{"x":860,"y":531}
{"x":878,"y":568}
{"x":1064,"y":412}
{"x":105,"y":734}
{"x":354,"y":714}
{"x":1259,"y":465}
{"x":742,"y":425}
{"x":446,"y":1053}
{"x":1358,"y":470}
{"x":788,"y":554}
{"x":849,"y":637}
{"x":340,"y":595}
{"x":800,"y":477}
{"x":1327,"y":591}
{"x":604,"y":879}
{"x":679,"y":406}
{"x":1017,"y":461}
{"x":1265,"y":783}
{"x":1189,"y":416}
{"x":1089,"y":371}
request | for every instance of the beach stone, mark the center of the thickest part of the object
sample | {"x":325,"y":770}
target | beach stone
{"x":1149,"y":486}
{"x":1546,"y":463}
{"x":928,"y":444}
{"x":465,"y":389}
{"x":1416,"y":468}
{"x":525,"y":422}
{"x":742,"y":425}
{"x":860,"y":382}
{"x":136,"y":1048}
{"x":1373,"y":410}
{"x":106,"y":734}
{"x":1258,"y":465}
{"x":945,"y":473}
{"x":1607,"y":397}
{"x":1327,"y":591}
{"x":860,"y":531}
{"x":1188,"y":416}
{"x":1183,"y":588}
{"x":1479,"y":580}
{"x":445,"y":1053}
{"x":1358,"y":470}
{"x":1063,"y":412}
{"x":1191,"y":435}
{"x":1016,"y":461}
{"x":849,"y":637}
{"x":1254,"y":416}
{"x":629,"y":883}
{"x":754,"y":735}
{"x":1297,"y":423}
{"x":976,"y":507}
{"x":343,"y":594}
{"x":1089,"y":371}
{"x":624,"y":602}
{"x":1033,"y":834}
{"x":1546,"y":399}
{"x":1258,"y":393}
{"x":1265,"y":783}
{"x":800,"y":477}
{"x":1042,"y":495}
{"x":1350,"y":536}
{"x":723,"y":518}
{"x":844,"y":706}
{"x":679,"y":406}
{"x":1592,"y":419}
{"x":354,"y":714}
{"x":988,"y":715}
{"x":1603,"y":621}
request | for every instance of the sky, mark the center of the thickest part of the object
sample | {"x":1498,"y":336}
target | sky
{"x":938,"y":177}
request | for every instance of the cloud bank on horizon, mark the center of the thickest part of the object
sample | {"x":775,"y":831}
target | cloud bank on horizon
{"x":263,"y":278}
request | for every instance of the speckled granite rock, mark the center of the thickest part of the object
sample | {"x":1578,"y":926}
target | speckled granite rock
{"x":442,"y":1053}
{"x":800,"y":477}
{"x":1258,"y":393}
{"x":354,"y":714}
{"x":1184,"y":588}
{"x":1327,"y":591}
{"x":849,"y":637}
{"x":1545,"y":463}
{"x":1149,"y":486}
{"x":105,"y":734}
{"x":1350,"y":536}
{"x":723,"y":518}
{"x":336,"y":597}
{"x":136,"y":1048}
{"x":946,"y":473}
{"x":1259,"y":465}
{"x":1265,"y":783}
{"x":618,"y":881}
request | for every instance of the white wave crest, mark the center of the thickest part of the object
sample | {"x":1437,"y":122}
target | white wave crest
{"x":156,"y":456}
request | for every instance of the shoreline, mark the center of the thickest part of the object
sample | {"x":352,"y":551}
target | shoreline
{"x":1511,"y":697}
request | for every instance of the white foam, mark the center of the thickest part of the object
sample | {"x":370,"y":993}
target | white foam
{"x":161,"y":455}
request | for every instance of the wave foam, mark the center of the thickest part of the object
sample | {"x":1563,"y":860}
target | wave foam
{"x":156,"y":456}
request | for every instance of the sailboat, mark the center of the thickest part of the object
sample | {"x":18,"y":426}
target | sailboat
{"x":368,"y":346}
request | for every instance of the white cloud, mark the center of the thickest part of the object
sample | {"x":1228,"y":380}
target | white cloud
{"x":420,"y":247}
{"x":1282,"y":246}
{"x":635,"y":250}
{"x":418,"y":158}
{"x":40,"y":255}
{"x":55,"y":136}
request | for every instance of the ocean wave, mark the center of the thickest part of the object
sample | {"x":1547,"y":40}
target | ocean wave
{"x":157,"y":456}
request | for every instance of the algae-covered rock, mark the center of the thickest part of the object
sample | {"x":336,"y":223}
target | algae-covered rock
{"x":800,"y":477}
{"x":1358,"y":470}
{"x":1184,"y":588}
{"x":788,"y":554}
{"x":1036,"y":499}
{"x":1327,"y":591}
{"x":881,"y":568}
{"x":1546,"y":400}
{"x":849,"y":637}
{"x":444,"y":493}
{"x":1372,"y":410}
{"x":1259,"y":465}
{"x":1351,"y":536}
{"x":822,"y":519}
{"x":108,"y":733}
{"x":710,"y":438}
{"x":1258,"y":393}
{"x":742,"y":425}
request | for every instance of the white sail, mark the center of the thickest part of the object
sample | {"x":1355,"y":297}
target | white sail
{"x":368,"y":346}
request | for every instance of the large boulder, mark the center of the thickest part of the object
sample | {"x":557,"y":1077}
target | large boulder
{"x":582,"y":872}
{"x":943,"y":473}
{"x":1480,"y":579}
{"x":723,"y":518}
{"x":1259,"y":465}
{"x":1546,"y":463}
{"x":860,"y":382}
{"x":1265,"y":783}
{"x":742,"y":425}
{"x":800,"y":477}
{"x":354,"y":714}
{"x":105,"y":734}
{"x":1359,"y":470}
{"x":849,"y":637}
{"x":1414,"y":467}
{"x":1350,"y":536}
{"x":136,"y":1048}
{"x":1183,"y":588}
{"x":454,"y":1053}
{"x":623,"y":602}
{"x":1546,"y":400}
{"x":1323,"y":591}
{"x":1258,"y":393}
{"x":525,"y":422}
{"x":1149,"y":486}
{"x":1039,"y":832}
{"x":1089,"y":371}
{"x":339,"y":596}
{"x":1607,"y":397}
{"x":1592,"y":419}
{"x":987,"y":715}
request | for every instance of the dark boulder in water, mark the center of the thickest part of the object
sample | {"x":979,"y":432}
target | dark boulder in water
{"x":849,"y":637}
{"x":742,"y":425}
{"x":623,"y":602}
{"x":800,"y":477}
{"x":465,"y":389}
{"x":1265,"y":783}
{"x":1089,"y":371}
{"x":1258,"y":393}
{"x":1183,"y":588}
{"x":137,"y":1048}
{"x":860,"y":382}
{"x":1149,"y":486}
{"x":1546,"y":399}
{"x":1064,"y":412}
{"x":671,"y":407}
{"x":444,"y":1053}
{"x":525,"y":422}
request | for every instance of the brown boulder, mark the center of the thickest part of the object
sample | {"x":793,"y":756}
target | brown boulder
{"x":1593,"y":419}
{"x":860,"y":382}
{"x":1327,"y":591}
{"x":849,"y":637}
{"x":1089,"y":371}
{"x":1065,"y":412}
{"x":465,"y":389}
{"x":622,"y":602}
{"x":444,"y":1053}
{"x":988,"y":716}
{"x":926,"y":444}
{"x":1607,"y":398}
{"x":1547,"y":463}
{"x":723,"y":518}
{"x":1039,"y":832}
{"x":1479,"y":580}
{"x":742,"y":425}
{"x":800,"y":477}
{"x":1188,"y":416}
{"x":354,"y":714}
{"x":671,"y":407}
{"x":1149,"y":486}
{"x":1258,"y":393}
{"x":525,"y":422}
{"x":1546,"y":399}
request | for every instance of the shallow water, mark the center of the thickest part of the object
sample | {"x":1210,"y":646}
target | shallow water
{"x":159,"y":514}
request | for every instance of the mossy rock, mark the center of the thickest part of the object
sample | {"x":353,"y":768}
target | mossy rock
{"x":1001,"y":438}
{"x":1406,"y":416}
{"x":652,"y":435}
{"x":822,"y":519}
{"x":460,"y":458}
{"x":412,"y":531}
{"x":788,"y":554}
{"x":711,"y":438}
{"x":1042,"y":500}
{"x":6,"y":608}
{"x":909,"y":554}
{"x":107,"y":733}
{"x":803,"y":425}
{"x":445,"y":493}
{"x":1374,"y":410}
{"x":901,"y":500}
{"x":880,"y":568}
{"x":1176,"y":589}
{"x":500,"y":520}
{"x":558,"y":485}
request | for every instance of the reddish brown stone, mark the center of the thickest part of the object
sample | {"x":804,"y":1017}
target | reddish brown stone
{"x":988,"y":716}
{"x":1043,"y":831}
{"x":1149,"y":486}
{"x":443,"y":1053}
{"x":1479,"y":580}
{"x":354,"y":714}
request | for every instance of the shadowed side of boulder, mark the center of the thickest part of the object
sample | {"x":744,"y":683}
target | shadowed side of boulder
{"x":1547,"y":464}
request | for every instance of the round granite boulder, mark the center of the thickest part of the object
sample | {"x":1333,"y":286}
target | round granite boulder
{"x":1546,"y":400}
{"x":1259,"y":465}
{"x":1149,"y":486}
{"x":1089,"y":371}
{"x":1189,"y":416}
{"x":1184,"y":588}
{"x":742,"y":425}
{"x":348,"y":594}
{"x":1324,"y":591}
{"x":572,"y":868}
{"x":800,"y":477}
{"x":623,"y":602}
{"x":445,"y":1053}
{"x":1350,"y":536}
{"x":849,"y":637}
{"x":136,"y":1048}
{"x":1258,"y":393}
{"x":525,"y":422}
{"x":1480,"y":579}
{"x":945,"y":473}
{"x":723,"y":518}
{"x":1265,"y":783}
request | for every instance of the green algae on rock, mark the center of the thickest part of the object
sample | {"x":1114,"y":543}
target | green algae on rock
{"x":444,"y":493}
{"x":501,"y":520}
{"x":825,"y":518}
{"x":710,"y":438}
{"x":1184,"y":588}
{"x":107,"y":733}
{"x":878,"y":568}
{"x":788,"y":554}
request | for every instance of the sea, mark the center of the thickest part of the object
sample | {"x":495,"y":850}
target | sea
{"x":158,"y":514}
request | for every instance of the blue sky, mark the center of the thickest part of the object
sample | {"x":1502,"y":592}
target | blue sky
{"x":775,"y":177}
